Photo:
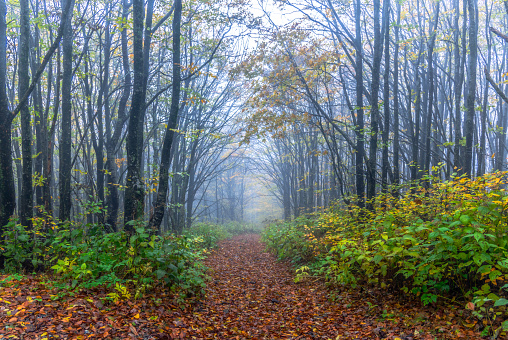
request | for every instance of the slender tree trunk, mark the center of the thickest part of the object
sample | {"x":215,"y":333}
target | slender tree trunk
{"x":471,"y":85}
{"x":360,"y":152}
{"x":40,"y":119}
{"x":26,"y":196}
{"x":7,"y":191}
{"x":458,"y":80}
{"x":50,"y":137}
{"x":113,"y":201}
{"x":430,"y":103}
{"x":374,"y":111}
{"x":416,"y":134}
{"x":134,"y":192}
{"x":160,"y":202}
{"x":483,"y":121}
{"x":65,"y":138}
{"x":386,"y":97}
{"x":396,"y":137}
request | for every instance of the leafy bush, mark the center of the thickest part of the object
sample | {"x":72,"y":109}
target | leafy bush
{"x":237,"y":228}
{"x":210,"y":233}
{"x":445,"y":240}
{"x":86,"y":257}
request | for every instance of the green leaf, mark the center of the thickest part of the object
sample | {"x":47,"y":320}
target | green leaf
{"x":494,"y":275}
{"x":378,"y":258}
{"x":160,"y":273}
{"x":478,"y":236}
{"x":501,"y":302}
{"x":486,"y":288}
{"x":465,"y":219}
{"x":483,"y":210}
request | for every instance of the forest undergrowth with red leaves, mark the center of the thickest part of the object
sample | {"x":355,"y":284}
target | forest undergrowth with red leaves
{"x":249,"y":295}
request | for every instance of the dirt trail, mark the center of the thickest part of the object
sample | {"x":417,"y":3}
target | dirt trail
{"x":252,"y":296}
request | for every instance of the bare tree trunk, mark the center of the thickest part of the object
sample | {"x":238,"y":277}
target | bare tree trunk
{"x":471,"y":85}
{"x":360,"y":152}
{"x":160,"y":202}
{"x":374,"y":111}
{"x":26,"y":196}
{"x":396,"y":137}
{"x":483,"y":120}
{"x":65,"y":138}
{"x":430,"y":103}
{"x":134,"y":192}
{"x":386,"y":97}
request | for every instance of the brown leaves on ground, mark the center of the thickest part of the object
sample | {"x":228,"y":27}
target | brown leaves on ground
{"x":250,"y":296}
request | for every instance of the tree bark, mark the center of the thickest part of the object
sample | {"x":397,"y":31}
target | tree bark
{"x":65,"y":160}
{"x":26,"y":195}
{"x":374,"y":111}
{"x":134,"y":192}
{"x":160,"y":202}
{"x":471,"y":85}
{"x":386,"y":99}
{"x":360,"y":152}
{"x":396,"y":137}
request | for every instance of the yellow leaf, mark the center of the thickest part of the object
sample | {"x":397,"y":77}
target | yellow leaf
{"x":136,"y":316}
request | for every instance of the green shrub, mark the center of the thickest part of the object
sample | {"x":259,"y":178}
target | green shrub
{"x":210,"y":233}
{"x":137,"y":262}
{"x":446,"y":240}
{"x":238,"y":228}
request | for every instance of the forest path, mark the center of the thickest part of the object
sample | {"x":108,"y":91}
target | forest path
{"x":252,"y":296}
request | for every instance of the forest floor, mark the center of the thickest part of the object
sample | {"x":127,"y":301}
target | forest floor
{"x":250,"y":295}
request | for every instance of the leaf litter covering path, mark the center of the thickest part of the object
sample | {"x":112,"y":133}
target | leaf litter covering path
{"x":250,"y":296}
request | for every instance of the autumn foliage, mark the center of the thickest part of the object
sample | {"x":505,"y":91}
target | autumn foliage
{"x":442,"y":241}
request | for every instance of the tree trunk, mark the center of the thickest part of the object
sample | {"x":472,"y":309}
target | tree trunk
{"x":386,"y":98}
{"x":7,"y":191}
{"x":396,"y":171}
{"x":26,"y":195}
{"x":485,"y":107}
{"x":430,"y":100}
{"x":112,"y":199}
{"x":471,"y":85}
{"x":374,"y":111}
{"x":134,"y":192}
{"x":65,"y":138}
{"x":160,"y":202}
{"x":360,"y":152}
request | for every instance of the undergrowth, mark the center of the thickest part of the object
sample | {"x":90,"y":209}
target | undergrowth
{"x":441,"y":241}
{"x":127,"y":266}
